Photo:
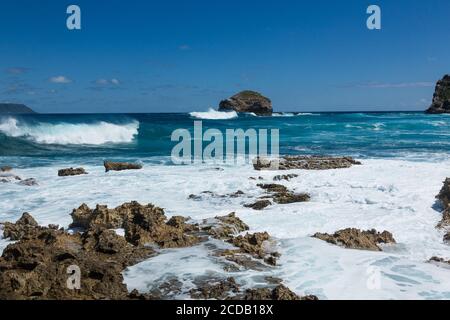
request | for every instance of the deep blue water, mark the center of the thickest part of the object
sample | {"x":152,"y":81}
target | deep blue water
{"x":34,"y":139}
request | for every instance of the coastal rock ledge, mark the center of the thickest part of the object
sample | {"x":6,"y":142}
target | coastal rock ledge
{"x":247,"y":101}
{"x":441,"y":97}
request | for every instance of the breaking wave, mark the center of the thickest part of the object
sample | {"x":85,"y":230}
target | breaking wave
{"x":96,"y":133}
{"x":212,"y":114}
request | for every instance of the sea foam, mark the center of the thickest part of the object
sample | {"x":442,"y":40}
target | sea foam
{"x":70,"y":133}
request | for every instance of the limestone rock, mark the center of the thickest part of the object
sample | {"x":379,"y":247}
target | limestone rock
{"x":356,"y":239}
{"x":119,"y":166}
{"x":71,"y":172}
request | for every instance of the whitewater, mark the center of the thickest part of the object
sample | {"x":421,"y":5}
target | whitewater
{"x":394,"y":189}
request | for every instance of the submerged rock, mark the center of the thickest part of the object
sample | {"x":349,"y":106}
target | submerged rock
{"x":280,"y":292}
{"x":9,"y":177}
{"x":273,"y":187}
{"x":247,"y":101}
{"x":286,"y":177}
{"x":258,"y":205}
{"x":71,"y":172}
{"x":290,"y":197}
{"x":224,"y":227}
{"x":304,"y":163}
{"x":28,"y":182}
{"x":356,"y":239}
{"x":211,"y":194}
{"x":281,"y":194}
{"x":439,"y":260}
{"x":119,"y":166}
{"x":256,"y":244}
{"x":441,"y":97}
{"x":214,"y":289}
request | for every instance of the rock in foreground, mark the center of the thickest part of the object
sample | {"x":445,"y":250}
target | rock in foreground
{"x":356,"y":239}
{"x":39,"y":265}
{"x":441,"y":97}
{"x":247,"y":101}
{"x":304,"y":163}
{"x":143,"y":224}
{"x":119,"y":166}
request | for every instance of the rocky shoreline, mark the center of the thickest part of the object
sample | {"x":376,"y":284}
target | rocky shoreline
{"x":35,"y":266}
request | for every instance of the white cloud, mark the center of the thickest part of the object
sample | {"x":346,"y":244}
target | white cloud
{"x":115,"y":81}
{"x":60,"y":79}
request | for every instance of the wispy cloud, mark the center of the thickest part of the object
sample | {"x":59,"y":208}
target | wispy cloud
{"x":386,"y":85}
{"x":60,"y":79}
{"x":184,"y":47}
{"x":102,"y":83}
{"x":18,"y":87}
{"x":17,"y":70}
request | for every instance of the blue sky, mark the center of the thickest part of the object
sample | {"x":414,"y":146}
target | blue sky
{"x":179,"y":56}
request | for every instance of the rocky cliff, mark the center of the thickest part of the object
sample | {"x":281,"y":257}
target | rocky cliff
{"x":441,"y":97}
{"x":247,"y":101}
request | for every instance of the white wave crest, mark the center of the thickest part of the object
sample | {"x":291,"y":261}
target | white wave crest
{"x":68,"y":133}
{"x":212,"y":114}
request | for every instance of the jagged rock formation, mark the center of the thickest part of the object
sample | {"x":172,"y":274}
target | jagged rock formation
{"x":441,"y":97}
{"x":247,"y":101}
{"x":40,"y":264}
{"x":356,"y":239}
{"x":142,"y":224}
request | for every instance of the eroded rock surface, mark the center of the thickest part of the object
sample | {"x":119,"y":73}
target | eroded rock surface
{"x":142,"y":224}
{"x":356,"y":239}
{"x":280,"y":292}
{"x":286,"y":177}
{"x":304,"y":163}
{"x":39,"y":264}
{"x":259,"y":204}
{"x":281,"y":195}
{"x":71,"y":172}
{"x":224,"y":227}
{"x":36,"y":267}
{"x":119,"y":166}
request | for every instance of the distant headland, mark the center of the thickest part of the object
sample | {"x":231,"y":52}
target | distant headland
{"x":14,"y":108}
